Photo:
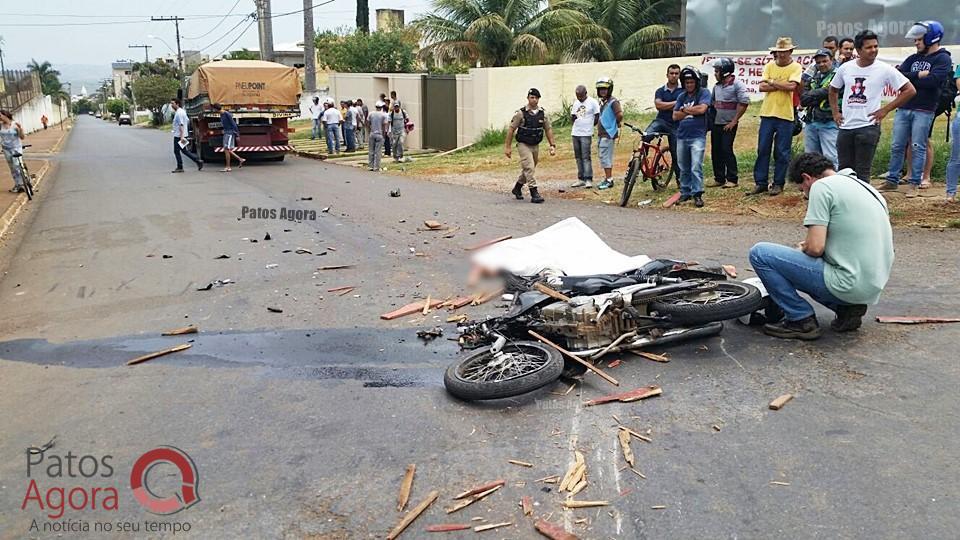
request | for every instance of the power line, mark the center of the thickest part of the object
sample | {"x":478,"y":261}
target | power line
{"x":102,"y":23}
{"x":236,"y":40}
{"x":237,"y":3}
{"x":301,"y":10}
{"x":227,"y":33}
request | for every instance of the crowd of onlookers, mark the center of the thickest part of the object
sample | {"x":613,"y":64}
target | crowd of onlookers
{"x":354,"y":125}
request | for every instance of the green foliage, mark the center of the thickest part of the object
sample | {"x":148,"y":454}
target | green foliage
{"x":158,"y":67}
{"x":363,"y":16}
{"x":242,"y":54}
{"x":378,"y":52}
{"x":561,"y":117}
{"x":154,"y":91}
{"x":49,"y":79}
{"x":491,"y":137}
{"x":117,"y":107}
{"x":83,"y":106}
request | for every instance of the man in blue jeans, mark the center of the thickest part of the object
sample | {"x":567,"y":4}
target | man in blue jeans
{"x":926,"y":70}
{"x":781,"y":79}
{"x":845,"y":260}
{"x":664,"y":100}
{"x":821,"y":132}
{"x":690,"y":114}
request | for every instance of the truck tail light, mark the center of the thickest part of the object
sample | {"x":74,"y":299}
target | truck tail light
{"x":290,"y":130}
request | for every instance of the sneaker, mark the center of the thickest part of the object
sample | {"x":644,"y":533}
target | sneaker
{"x":951,"y":199}
{"x":683,"y":199}
{"x":15,"y":189}
{"x":176,"y":170}
{"x":698,"y":201}
{"x":718,"y":183}
{"x":588,"y":185}
{"x":606,"y":184}
{"x":579,"y":184}
{"x":912,"y":191}
{"x":849,"y":317}
{"x":200,"y":166}
{"x":759,"y":189}
{"x":806,"y":329}
{"x":776,"y":190}
{"x":889,"y":186}
{"x":728,"y":185}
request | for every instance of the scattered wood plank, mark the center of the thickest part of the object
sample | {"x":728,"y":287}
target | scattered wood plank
{"x":335,"y":267}
{"x":758,"y":211}
{"x":614,"y":364}
{"x":730,"y":270}
{"x":556,"y":295}
{"x":487,"y":243}
{"x":467,"y":502}
{"x":448,"y":527}
{"x":552,"y":479}
{"x":624,"y":437}
{"x":638,"y":473}
{"x":458,"y":318}
{"x":274,"y":310}
{"x":577,"y":359}
{"x":627,"y":397}
{"x":181,"y":331}
{"x":490,"y":296}
{"x":635,"y":434}
{"x":579,"y":487}
{"x":345,"y":292}
{"x":570,"y":503}
{"x":405,"y":487}
{"x":458,"y":303}
{"x":520,"y":463}
{"x":426,"y":306}
{"x":658,"y":507}
{"x":553,"y":531}
{"x":652,"y":356}
{"x":526,"y":503}
{"x":778,"y":403}
{"x":408,"y":309}
{"x":915,"y":320}
{"x":776,"y":483}
{"x":431,"y":224}
{"x":413,"y":514}
{"x":344,"y":288}
{"x":480,"y":489}
{"x":481,"y":528}
{"x":158,"y":354}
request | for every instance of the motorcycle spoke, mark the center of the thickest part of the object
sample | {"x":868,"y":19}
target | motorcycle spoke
{"x":492,"y":369}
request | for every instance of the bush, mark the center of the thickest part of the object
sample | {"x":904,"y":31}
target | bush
{"x":358,"y":52}
{"x":491,"y":137}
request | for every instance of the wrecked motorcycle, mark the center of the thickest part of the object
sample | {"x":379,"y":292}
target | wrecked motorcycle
{"x":661,"y":303}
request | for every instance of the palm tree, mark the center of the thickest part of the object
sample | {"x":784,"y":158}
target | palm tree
{"x":498,"y":32}
{"x":49,"y":77}
{"x":638,"y":29}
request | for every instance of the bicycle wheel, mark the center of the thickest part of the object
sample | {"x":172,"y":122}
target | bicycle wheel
{"x":633,"y":169}
{"x":664,"y":165}
{"x":27,"y":182}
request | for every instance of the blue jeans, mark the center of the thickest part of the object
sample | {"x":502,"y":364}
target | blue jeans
{"x":333,"y":138}
{"x":784,"y":271}
{"x":15,"y":168}
{"x":690,"y":155}
{"x":913,"y":127}
{"x":581,"y":153}
{"x":317,"y":127}
{"x":821,"y":137}
{"x":349,"y":136}
{"x":775,"y":134}
{"x":953,"y":166}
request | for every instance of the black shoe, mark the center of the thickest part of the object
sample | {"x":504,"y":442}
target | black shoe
{"x":698,"y":201}
{"x":759,"y":189}
{"x":849,"y":317}
{"x":683,"y":199}
{"x":807,"y":329}
{"x":199,"y":165}
{"x":176,"y":170}
{"x":535,"y":196}
{"x":776,"y":190}
{"x":518,"y":191}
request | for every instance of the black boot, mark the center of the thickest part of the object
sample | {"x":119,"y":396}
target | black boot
{"x":518,"y":191}
{"x":849,"y":317}
{"x":535,"y":196}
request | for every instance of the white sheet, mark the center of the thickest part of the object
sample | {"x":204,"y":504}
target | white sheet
{"x":569,"y":246}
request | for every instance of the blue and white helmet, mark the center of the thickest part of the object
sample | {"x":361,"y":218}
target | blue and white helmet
{"x":930,"y":31}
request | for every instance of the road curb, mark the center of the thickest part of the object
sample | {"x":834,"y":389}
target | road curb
{"x":10,"y":215}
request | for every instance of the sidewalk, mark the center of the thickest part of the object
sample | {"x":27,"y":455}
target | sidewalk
{"x":43,"y":143}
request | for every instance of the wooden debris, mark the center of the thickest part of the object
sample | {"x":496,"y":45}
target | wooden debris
{"x":730,"y":270}
{"x":570,"y":503}
{"x":481,"y":528}
{"x":413,"y":514}
{"x":274,"y":310}
{"x":520,"y":463}
{"x":431,"y":224}
{"x":651,"y":356}
{"x":448,"y":527}
{"x":556,"y":295}
{"x":915,"y":320}
{"x":580,"y":521}
{"x":526,"y":503}
{"x":624,"y":437}
{"x":344,"y":288}
{"x":347,"y":291}
{"x":759,"y":211}
{"x":405,"y":487}
{"x":467,"y":502}
{"x":181,"y":331}
{"x":462,"y":318}
{"x":552,"y":479}
{"x":573,"y":472}
{"x":715,"y":427}
{"x":627,"y":397}
{"x":157,"y":354}
{"x":553,"y":531}
{"x":635,"y":434}
{"x":409,"y":309}
{"x":335,"y":267}
{"x":775,"y":483}
{"x":579,"y":487}
{"x":638,"y":473}
{"x":778,"y":403}
{"x":490,"y":296}
{"x":487,"y":243}
{"x":614,"y":364}
{"x":426,"y":306}
{"x":577,"y":359}
{"x":459,"y":302}
{"x":658,"y":507}
{"x":480,"y":489}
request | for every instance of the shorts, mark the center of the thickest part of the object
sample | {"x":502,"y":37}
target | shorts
{"x":229,"y":141}
{"x":605,"y":147}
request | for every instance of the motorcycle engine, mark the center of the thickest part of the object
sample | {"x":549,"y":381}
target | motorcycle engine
{"x":579,"y":325}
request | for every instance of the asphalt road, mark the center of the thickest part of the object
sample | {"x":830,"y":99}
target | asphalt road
{"x":301,"y":423}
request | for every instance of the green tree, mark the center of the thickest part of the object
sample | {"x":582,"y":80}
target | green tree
{"x":153,"y":92}
{"x":49,"y":79}
{"x":497,"y":33}
{"x":117,"y":107}
{"x":377,"y":52}
{"x":242,"y":54}
{"x":637,"y":29}
{"x":83,"y":106}
{"x":157,"y":67}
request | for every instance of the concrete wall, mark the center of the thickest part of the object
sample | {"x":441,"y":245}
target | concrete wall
{"x":29,"y":114}
{"x":369,"y":86}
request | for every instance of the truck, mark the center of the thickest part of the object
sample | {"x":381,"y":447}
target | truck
{"x":262,"y":96}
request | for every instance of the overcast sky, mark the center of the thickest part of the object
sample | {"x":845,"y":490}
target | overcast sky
{"x":129,"y":24}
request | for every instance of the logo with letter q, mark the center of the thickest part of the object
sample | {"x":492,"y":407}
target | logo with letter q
{"x":154,"y":504}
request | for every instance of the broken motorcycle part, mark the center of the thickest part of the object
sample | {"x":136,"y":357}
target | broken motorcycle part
{"x":517,"y":368}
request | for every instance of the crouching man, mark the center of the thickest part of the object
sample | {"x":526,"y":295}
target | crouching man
{"x":843,"y":263}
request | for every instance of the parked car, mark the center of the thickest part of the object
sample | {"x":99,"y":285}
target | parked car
{"x":90,"y":113}
{"x":98,"y":115}
{"x":124,"y":118}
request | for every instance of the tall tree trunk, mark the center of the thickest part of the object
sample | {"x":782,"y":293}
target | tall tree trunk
{"x":363,"y":16}
{"x":309,"y":51}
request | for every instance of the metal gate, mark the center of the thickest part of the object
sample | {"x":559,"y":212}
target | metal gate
{"x":440,"y":112}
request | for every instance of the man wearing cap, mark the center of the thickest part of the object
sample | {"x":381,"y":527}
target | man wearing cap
{"x":780,"y":81}
{"x":530,"y":124}
{"x":820,"y":135}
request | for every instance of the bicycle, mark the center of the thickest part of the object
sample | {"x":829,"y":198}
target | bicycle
{"x":650,"y":159}
{"x":24,"y":173}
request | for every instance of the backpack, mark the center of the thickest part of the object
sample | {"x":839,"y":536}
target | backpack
{"x":948,"y":93}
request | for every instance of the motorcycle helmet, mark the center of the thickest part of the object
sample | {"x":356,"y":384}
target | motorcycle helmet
{"x":725,"y":66}
{"x":605,"y":82}
{"x":930,"y":31}
{"x":690,"y":72}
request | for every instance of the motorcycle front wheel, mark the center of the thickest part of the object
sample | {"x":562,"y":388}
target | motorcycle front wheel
{"x":723,"y":301}
{"x":522,"y":367}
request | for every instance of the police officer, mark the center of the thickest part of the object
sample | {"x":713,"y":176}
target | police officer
{"x":530,"y":124}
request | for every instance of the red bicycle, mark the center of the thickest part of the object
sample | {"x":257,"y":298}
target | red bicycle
{"x":650,"y":159}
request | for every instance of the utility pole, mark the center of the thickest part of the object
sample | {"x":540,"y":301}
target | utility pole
{"x":309,"y":51}
{"x":265,"y":25}
{"x":176,"y":24}
{"x":146,"y":51}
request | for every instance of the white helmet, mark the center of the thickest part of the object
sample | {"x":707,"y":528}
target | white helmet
{"x":380,"y":105}
{"x":329,"y":101}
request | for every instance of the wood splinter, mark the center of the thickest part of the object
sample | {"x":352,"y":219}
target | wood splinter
{"x":778,"y":403}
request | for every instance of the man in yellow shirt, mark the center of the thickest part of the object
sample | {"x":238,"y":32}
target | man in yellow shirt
{"x":781,"y":78}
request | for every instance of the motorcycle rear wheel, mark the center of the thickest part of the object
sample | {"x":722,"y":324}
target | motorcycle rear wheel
{"x":725,"y":300}
{"x":530,"y":365}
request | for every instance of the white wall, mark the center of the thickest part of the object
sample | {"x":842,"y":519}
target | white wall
{"x":29,"y":114}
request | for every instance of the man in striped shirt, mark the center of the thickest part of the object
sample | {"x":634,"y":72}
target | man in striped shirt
{"x":730,"y":101}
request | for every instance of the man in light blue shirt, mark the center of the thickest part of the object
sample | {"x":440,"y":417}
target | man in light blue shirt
{"x":180,"y":132}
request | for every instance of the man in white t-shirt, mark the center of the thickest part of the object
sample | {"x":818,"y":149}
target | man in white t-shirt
{"x":585,"y":113}
{"x":331,"y":126}
{"x":316,"y":110}
{"x":863,"y":82}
